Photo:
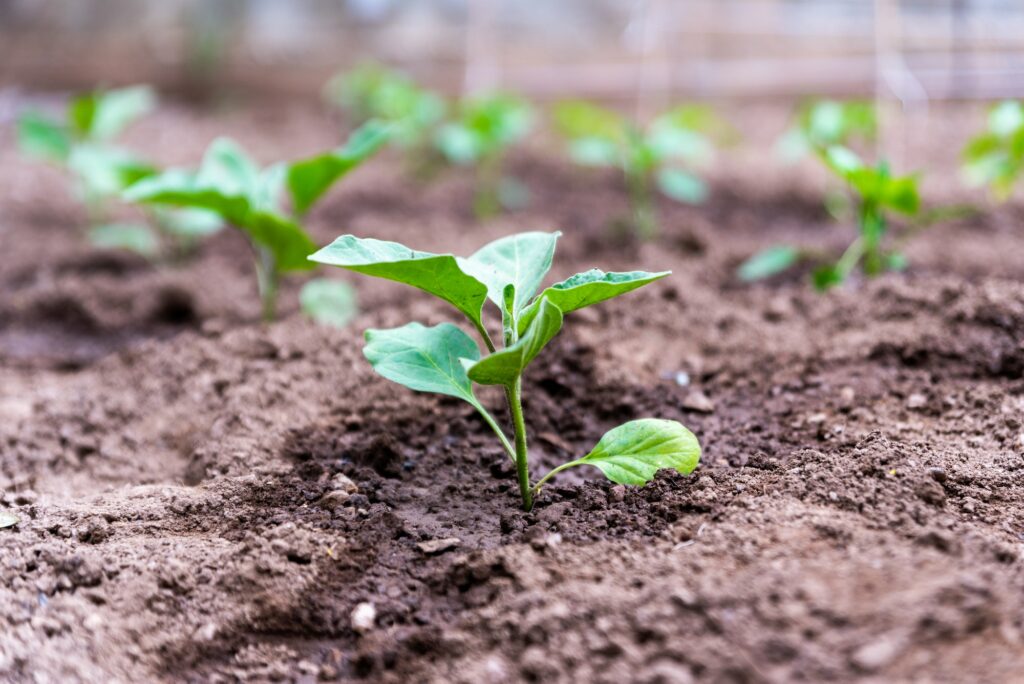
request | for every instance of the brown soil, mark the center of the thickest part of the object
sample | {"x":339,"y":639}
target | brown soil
{"x":204,"y":498}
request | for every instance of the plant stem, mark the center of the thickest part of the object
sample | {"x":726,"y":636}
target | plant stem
{"x":552,"y":473}
{"x":643,"y":210}
{"x":267,"y":280}
{"x":489,"y":419}
{"x":514,"y":395}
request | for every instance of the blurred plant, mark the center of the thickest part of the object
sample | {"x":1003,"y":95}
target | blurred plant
{"x":995,"y":157}
{"x":660,"y":154}
{"x":821,"y":124}
{"x":81,"y":145}
{"x":371,"y":91}
{"x":445,"y":360}
{"x":876,"y":193}
{"x":231,"y":185}
{"x":482,"y":131}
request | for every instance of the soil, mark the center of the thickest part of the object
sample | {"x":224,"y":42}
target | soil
{"x":207,"y":498}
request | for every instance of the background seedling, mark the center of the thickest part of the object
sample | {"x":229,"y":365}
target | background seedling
{"x":371,"y":91}
{"x":876,"y":193}
{"x":445,"y":360}
{"x":230,"y":184}
{"x":81,"y":145}
{"x":995,"y":157}
{"x":822,"y":124}
{"x":483,"y":130}
{"x":659,"y":155}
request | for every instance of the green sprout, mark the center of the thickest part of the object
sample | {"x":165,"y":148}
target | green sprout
{"x":81,"y":145}
{"x":483,"y":130}
{"x":229,"y":184}
{"x":995,"y":157}
{"x":444,"y":359}
{"x":876,"y":193}
{"x":822,"y":124}
{"x":660,"y":154}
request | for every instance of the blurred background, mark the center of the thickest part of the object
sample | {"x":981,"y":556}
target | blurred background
{"x":653,"y":51}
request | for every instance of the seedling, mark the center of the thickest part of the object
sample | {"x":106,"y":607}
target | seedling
{"x":231,"y":185}
{"x":659,"y":154}
{"x":876,"y":193}
{"x":822,"y":124}
{"x":81,"y":145}
{"x":483,"y":130}
{"x":371,"y":91}
{"x":995,"y":157}
{"x":446,"y":360}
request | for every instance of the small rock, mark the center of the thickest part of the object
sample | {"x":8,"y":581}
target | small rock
{"x":554,"y":512}
{"x":343,"y":483}
{"x":877,"y":654}
{"x":92,"y":622}
{"x":699,"y":402}
{"x":916,"y":401}
{"x":434,"y":546}
{"x":931,"y":492}
{"x":334,"y":499}
{"x":937,"y":474}
{"x":847,"y":396}
{"x":364,"y":617}
{"x":816,"y":418}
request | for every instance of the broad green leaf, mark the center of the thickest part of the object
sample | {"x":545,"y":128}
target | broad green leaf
{"x":135,"y":237}
{"x":504,"y":366}
{"x":633,"y":452}
{"x":40,"y":137}
{"x":438,"y":274}
{"x":827,"y":277}
{"x":843,"y":160}
{"x":672,"y":142}
{"x":521,"y":260}
{"x":594,"y":152}
{"x":330,"y":302}
{"x":459,"y":144}
{"x":424,"y":359}
{"x":682,"y":186}
{"x":901,"y":194}
{"x":115,"y":109}
{"x":768,"y":262}
{"x":309,"y":179}
{"x":1006,"y":118}
{"x":188,"y":223}
{"x":227,"y":169}
{"x":180,"y":188}
{"x":590,"y":287}
{"x":81,"y":112}
{"x":583,"y":120}
{"x":286,"y":240}
{"x":8,"y":519}
{"x":106,"y":171}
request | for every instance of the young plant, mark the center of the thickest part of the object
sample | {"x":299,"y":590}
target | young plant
{"x":876,"y":193}
{"x":822,"y":124}
{"x":231,"y":185}
{"x":371,"y":91}
{"x":81,"y":145}
{"x":661,"y":154}
{"x":446,"y":360}
{"x":481,"y":133}
{"x":995,"y":157}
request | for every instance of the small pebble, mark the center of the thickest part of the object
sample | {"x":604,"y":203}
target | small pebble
{"x":364,"y":617}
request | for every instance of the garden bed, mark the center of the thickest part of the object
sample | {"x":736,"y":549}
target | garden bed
{"x":207,"y":498}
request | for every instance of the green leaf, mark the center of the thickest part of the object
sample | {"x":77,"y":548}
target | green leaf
{"x":843,"y":160}
{"x":38,"y":136}
{"x":309,"y":179}
{"x":8,"y":519}
{"x":901,"y":194}
{"x":521,"y":260}
{"x":116,"y":109}
{"x":330,"y":302}
{"x":504,"y":366}
{"x":135,"y":237}
{"x":424,"y":359}
{"x":106,"y":171}
{"x":594,"y":152}
{"x":188,"y":223}
{"x":576,"y":119}
{"x":633,"y":452}
{"x":438,"y":274}
{"x":227,"y":169}
{"x":827,"y":277}
{"x":459,"y":144}
{"x":1006,"y":118}
{"x":181,"y":188}
{"x":584,"y":289}
{"x":768,"y":262}
{"x":285,"y":239}
{"x":682,"y":186}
